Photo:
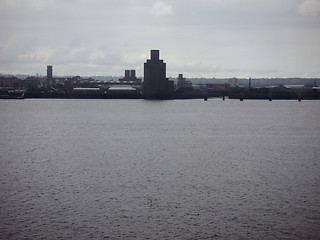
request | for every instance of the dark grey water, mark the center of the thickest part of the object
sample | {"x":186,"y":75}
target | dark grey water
{"x":122,"y":169}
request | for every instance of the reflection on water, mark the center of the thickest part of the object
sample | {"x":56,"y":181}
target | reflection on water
{"x":192,"y":169}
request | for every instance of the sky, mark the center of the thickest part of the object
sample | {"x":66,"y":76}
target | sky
{"x":199,"y":38}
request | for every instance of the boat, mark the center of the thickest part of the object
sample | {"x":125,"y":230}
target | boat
{"x":11,"y":93}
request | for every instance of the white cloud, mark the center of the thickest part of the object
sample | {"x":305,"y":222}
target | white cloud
{"x":161,"y":9}
{"x":308,"y":7}
{"x":39,"y":55}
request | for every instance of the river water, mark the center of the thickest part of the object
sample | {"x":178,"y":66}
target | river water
{"x":180,"y":169}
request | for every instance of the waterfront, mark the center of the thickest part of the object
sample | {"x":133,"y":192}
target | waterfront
{"x":184,"y":169}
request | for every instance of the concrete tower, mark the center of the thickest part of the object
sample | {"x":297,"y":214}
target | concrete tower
{"x":127,"y":74}
{"x":49,"y":75}
{"x":133,"y":74}
{"x":181,"y":81}
{"x":156,"y":85}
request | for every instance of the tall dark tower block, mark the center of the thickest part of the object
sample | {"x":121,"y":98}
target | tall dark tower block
{"x":156,"y":85}
{"x":181,"y":81}
{"x":133,"y":74}
{"x":49,"y":75}
{"x":127,"y":74}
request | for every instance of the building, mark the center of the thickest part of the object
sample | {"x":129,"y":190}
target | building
{"x":130,"y":78}
{"x":156,"y":85}
{"x":49,"y":75}
{"x":9,"y":81}
{"x":183,"y":84}
{"x":233,"y":82}
{"x":32,"y":83}
{"x":127,"y":74}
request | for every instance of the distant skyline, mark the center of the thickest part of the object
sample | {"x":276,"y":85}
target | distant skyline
{"x":199,"y":38}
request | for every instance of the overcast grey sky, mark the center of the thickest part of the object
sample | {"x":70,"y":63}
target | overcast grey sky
{"x":199,"y":38}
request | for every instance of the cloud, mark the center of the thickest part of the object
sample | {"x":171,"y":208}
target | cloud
{"x":310,"y":7}
{"x":160,"y":9}
{"x":195,"y":37}
{"x":39,"y":55}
